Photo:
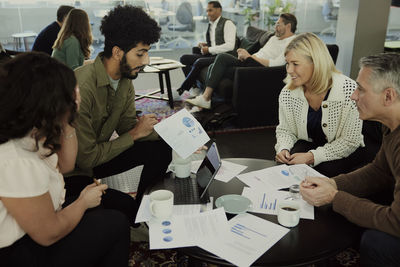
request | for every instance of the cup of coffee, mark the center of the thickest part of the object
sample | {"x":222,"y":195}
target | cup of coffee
{"x":288,"y":213}
{"x":161,"y":204}
{"x":180,"y":166}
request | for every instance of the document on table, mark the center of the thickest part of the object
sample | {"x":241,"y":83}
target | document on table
{"x":182,"y":132}
{"x":267,"y":202}
{"x":172,"y":65}
{"x":183,"y":231}
{"x":250,"y":237}
{"x":226,"y":172}
{"x":277,"y":177}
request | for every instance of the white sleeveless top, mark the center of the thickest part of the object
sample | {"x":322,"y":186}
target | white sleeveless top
{"x":25,"y":172}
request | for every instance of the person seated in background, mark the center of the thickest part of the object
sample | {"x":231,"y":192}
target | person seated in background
{"x":377,"y":97}
{"x":271,"y":54}
{"x":45,"y":40}
{"x":318,"y":122}
{"x":73,"y":42}
{"x":220,"y":37}
{"x":38,"y":144}
{"x":108,"y":105}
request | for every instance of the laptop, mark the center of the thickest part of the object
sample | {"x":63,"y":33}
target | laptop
{"x":193,"y":190}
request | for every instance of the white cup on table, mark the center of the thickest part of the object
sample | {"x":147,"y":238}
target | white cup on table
{"x":179,"y":166}
{"x":288,"y":213}
{"x":161,"y":204}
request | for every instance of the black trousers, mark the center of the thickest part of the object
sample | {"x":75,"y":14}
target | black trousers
{"x":357,"y":159}
{"x":154,"y":155}
{"x":102,"y":238}
{"x":194,"y":64}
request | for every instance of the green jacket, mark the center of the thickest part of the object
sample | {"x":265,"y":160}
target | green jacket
{"x":102,"y":111}
{"x":70,"y":53}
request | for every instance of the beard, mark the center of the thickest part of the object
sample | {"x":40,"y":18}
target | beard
{"x":126,"y":69}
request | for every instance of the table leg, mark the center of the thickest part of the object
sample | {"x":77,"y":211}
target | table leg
{"x":169,"y":90}
{"x":161,"y":81}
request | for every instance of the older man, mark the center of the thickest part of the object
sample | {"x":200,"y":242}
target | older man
{"x":378,"y":98}
{"x":220,"y":37}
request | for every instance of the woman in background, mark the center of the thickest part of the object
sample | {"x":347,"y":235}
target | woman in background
{"x":319,"y":124}
{"x":38,"y":144}
{"x":72,"y":45}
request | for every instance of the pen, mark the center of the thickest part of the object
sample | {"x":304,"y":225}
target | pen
{"x":97,"y":183}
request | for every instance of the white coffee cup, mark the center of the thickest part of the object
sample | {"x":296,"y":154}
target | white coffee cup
{"x":288,"y":213}
{"x":180,"y":166}
{"x":161,"y":203}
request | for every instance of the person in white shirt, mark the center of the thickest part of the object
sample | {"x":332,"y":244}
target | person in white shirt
{"x":37,"y":145}
{"x":220,"y":37}
{"x":319,"y":124}
{"x":271,"y":54}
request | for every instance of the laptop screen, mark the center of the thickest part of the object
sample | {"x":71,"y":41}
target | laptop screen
{"x":208,"y":169}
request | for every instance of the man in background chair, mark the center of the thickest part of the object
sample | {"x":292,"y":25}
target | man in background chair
{"x":46,"y":38}
{"x":220,"y":37}
{"x":378,"y":98}
{"x":271,"y":54}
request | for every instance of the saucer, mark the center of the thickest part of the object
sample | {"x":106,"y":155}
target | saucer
{"x":233,"y":204}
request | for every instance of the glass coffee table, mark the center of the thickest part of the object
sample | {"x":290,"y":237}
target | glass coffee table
{"x":309,"y":242}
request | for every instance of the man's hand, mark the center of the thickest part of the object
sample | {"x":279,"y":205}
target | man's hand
{"x":144,"y":127}
{"x":200,"y":45}
{"x":242,"y":54}
{"x":299,"y":158}
{"x":204,"y":50}
{"x":283,"y":156}
{"x":318,"y":191}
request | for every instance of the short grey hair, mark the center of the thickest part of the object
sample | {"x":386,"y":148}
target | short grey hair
{"x":385,"y":71}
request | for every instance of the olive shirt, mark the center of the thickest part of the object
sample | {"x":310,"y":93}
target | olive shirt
{"x":70,"y":53}
{"x":382,"y":174}
{"x":103,"y":110}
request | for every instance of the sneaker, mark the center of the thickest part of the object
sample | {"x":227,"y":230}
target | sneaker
{"x":200,"y":102}
{"x":194,"y":91}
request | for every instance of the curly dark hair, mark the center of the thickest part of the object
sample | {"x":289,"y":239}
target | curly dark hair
{"x":125,"y":27}
{"x":38,"y":92}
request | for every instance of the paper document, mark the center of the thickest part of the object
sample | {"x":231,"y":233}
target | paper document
{"x":226,"y":172}
{"x":267,"y":202}
{"x":278,"y":177}
{"x":190,"y":230}
{"x":251,"y":237}
{"x":182,"y":132}
{"x":150,"y":69}
{"x":175,"y":64}
{"x":144,"y":215}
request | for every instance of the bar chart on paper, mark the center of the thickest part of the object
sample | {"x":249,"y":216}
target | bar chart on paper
{"x":268,"y":203}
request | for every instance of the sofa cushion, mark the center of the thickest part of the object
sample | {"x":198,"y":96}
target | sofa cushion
{"x":256,"y":34}
{"x":250,"y":46}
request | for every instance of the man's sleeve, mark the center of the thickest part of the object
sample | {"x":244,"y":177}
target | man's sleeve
{"x":371,"y":179}
{"x":92,"y":153}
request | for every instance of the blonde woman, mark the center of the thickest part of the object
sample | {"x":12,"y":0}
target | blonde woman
{"x":72,"y":45}
{"x":319,"y":124}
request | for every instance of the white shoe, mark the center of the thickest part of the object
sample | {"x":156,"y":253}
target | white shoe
{"x":194,"y":91}
{"x":200,"y":102}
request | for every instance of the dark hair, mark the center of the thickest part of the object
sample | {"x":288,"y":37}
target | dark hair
{"x":289,"y":18}
{"x":215,"y":4}
{"x":37,"y":91}
{"x":76,"y":24}
{"x":62,"y":11}
{"x":125,"y":27}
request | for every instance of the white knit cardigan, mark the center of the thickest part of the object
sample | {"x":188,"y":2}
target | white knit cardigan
{"x":340,"y":121}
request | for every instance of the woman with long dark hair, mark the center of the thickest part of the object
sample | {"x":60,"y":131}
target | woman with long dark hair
{"x":72,"y":45}
{"x":37,"y":144}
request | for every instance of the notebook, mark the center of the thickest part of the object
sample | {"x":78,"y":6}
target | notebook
{"x":193,"y":190}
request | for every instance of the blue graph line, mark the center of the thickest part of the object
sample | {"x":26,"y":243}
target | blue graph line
{"x":262,"y":203}
{"x":240,"y":226}
{"x":275,"y":204}
{"x":270,"y":205}
{"x":239,"y":233}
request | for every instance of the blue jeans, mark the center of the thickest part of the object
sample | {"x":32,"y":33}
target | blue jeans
{"x":379,"y":249}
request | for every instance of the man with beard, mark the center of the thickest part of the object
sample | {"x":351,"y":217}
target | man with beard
{"x":271,"y":54}
{"x":108,"y":105}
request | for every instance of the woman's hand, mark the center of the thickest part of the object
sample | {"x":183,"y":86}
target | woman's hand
{"x":283,"y":156}
{"x":91,"y":195}
{"x":299,"y":158}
